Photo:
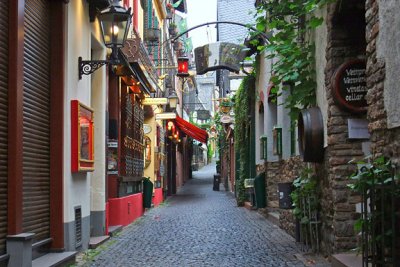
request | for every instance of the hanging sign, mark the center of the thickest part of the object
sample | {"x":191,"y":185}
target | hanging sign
{"x":166,"y":116}
{"x":155,"y":101}
{"x":226,"y":119}
{"x":349,"y":86}
{"x":203,"y":114}
{"x":220,"y":55}
{"x":146,"y":128}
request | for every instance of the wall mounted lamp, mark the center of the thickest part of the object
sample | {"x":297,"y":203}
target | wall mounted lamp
{"x":114,"y":24}
{"x":173,"y":99}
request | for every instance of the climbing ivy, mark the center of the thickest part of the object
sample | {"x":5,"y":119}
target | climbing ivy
{"x":290,"y":46}
{"x":242,"y":111}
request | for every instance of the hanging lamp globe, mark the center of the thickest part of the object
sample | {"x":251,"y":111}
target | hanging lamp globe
{"x":173,"y":99}
{"x":114,"y":24}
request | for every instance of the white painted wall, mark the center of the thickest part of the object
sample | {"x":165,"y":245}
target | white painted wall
{"x":283,"y":120}
{"x":99,"y":104}
{"x":270,"y":109}
{"x":259,"y":129}
{"x":321,"y":34}
{"x":388,"y":49}
{"x":77,"y":186}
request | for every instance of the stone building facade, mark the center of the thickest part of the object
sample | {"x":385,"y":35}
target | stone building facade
{"x":345,"y":41}
{"x":360,"y":30}
{"x":382,"y":80}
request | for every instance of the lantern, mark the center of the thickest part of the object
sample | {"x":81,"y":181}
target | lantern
{"x":183,"y":67}
{"x":114,"y":24}
{"x":173,"y":99}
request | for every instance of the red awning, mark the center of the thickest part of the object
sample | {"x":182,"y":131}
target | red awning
{"x":191,"y":130}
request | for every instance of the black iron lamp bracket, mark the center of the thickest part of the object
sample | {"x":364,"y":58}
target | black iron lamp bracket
{"x":87,"y":67}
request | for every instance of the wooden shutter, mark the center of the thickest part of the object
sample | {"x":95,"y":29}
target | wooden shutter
{"x":3,"y":121}
{"x":36,"y":125}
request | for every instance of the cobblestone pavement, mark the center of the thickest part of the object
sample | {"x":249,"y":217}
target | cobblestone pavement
{"x":200,"y":227}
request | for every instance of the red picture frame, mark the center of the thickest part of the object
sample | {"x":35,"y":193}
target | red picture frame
{"x":82,"y":137}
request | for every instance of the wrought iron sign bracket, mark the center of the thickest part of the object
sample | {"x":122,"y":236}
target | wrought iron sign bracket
{"x":87,"y":67}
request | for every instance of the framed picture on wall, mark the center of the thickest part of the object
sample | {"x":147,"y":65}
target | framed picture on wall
{"x":82,"y":139}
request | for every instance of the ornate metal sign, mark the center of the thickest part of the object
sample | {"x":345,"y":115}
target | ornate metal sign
{"x":203,"y":114}
{"x":220,"y":55}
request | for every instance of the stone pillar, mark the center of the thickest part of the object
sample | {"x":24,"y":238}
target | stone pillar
{"x":19,"y":247}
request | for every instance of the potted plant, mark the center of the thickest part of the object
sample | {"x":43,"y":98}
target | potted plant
{"x":172,"y":29}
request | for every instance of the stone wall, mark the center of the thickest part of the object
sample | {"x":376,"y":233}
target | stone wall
{"x":384,"y":141}
{"x":287,"y":222}
{"x":271,"y":184}
{"x":289,"y":170}
{"x":338,"y":204}
{"x":282,"y":172}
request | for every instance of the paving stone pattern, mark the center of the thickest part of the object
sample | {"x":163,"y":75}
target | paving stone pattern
{"x":201,"y":227}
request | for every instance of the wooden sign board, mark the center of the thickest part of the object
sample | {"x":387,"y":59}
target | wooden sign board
{"x":349,"y":86}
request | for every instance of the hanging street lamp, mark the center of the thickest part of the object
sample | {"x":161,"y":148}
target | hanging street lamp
{"x":173,"y":99}
{"x":114,"y":24}
{"x":183,"y":67}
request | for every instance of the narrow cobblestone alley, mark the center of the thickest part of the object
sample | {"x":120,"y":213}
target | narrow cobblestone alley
{"x":200,"y":227}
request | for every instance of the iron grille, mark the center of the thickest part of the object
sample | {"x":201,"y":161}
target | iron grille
{"x":78,"y":226}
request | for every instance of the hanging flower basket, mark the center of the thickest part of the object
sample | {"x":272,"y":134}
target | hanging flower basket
{"x":172,"y":29}
{"x":225,"y":105}
{"x":178,"y":45}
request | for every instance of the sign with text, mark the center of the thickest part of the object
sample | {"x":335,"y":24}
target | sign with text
{"x":349,"y":86}
{"x":155,"y":101}
{"x":166,"y":116}
{"x":203,"y":114}
{"x":221,"y":55}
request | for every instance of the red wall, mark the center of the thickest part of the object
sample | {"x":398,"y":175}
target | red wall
{"x":112,"y":186}
{"x":107,"y":217}
{"x":124,"y":210}
{"x":158,"y":196}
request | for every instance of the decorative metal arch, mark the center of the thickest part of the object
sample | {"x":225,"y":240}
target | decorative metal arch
{"x":265,"y":36}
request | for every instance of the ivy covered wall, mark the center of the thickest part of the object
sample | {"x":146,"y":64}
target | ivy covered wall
{"x":244,"y":135}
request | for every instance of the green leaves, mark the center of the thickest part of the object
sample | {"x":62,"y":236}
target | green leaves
{"x":304,"y":194}
{"x":243,"y":97}
{"x":377,"y":184}
{"x":291,"y":21}
{"x":314,"y":22}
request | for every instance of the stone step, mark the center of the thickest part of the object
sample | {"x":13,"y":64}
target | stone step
{"x":113,"y":230}
{"x":273,"y":217}
{"x":346,"y":260}
{"x":96,"y":241}
{"x":55,"y":259}
{"x":247,"y":205}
